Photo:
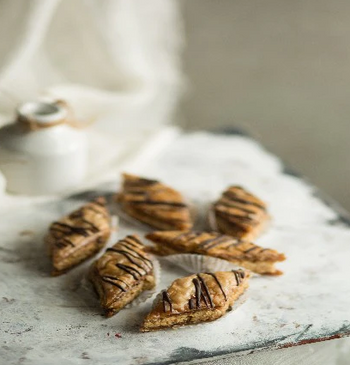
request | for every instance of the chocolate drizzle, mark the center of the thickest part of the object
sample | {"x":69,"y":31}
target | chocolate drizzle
{"x":233,"y":204}
{"x":189,"y":236}
{"x":202,"y":296}
{"x":238,"y":279}
{"x":63,"y":242}
{"x":160,"y":203}
{"x":166,"y":300}
{"x":68,"y":229}
{"x":219,"y":284}
{"x":92,"y":227}
{"x":238,"y":210}
{"x":239,"y":275}
{"x":209,"y":241}
{"x":236,"y":217}
{"x":181,"y":235}
{"x":112,"y":279}
{"x":137,"y":264}
{"x":134,"y":254}
{"x":239,"y":199}
{"x":216,"y":241}
{"x":80,"y":226}
{"x":139,"y":182}
{"x":201,"y":292}
{"x":97,"y":211}
{"x":204,"y":285}
{"x":131,"y":240}
{"x":154,"y":203}
{"x":134,"y":242}
{"x":130,"y":256}
{"x":211,"y":244}
{"x":198,"y":289}
{"x":130,"y":270}
{"x":251,"y":249}
{"x":236,"y":244}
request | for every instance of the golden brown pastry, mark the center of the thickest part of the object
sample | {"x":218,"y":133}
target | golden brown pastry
{"x":196,"y":298}
{"x":154,"y":203}
{"x":239,"y":214}
{"x":78,"y":236}
{"x":242,"y":253}
{"x":122,"y":273}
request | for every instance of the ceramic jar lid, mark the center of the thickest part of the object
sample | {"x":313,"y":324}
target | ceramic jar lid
{"x":41,"y":153}
{"x":43,"y":114}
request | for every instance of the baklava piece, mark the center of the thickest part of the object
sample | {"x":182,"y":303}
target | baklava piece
{"x":121,"y":274}
{"x":154,"y":203}
{"x":242,"y":253}
{"x":78,"y":236}
{"x":239,"y":214}
{"x":196,"y":298}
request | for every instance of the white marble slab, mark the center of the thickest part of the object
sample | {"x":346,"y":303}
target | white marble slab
{"x":46,"y":320}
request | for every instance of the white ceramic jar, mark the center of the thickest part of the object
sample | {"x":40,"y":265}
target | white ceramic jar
{"x":41,"y":153}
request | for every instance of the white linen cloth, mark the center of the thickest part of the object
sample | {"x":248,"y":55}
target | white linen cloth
{"x":105,"y":57}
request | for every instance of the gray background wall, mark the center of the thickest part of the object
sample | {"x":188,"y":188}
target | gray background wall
{"x":281,"y":70}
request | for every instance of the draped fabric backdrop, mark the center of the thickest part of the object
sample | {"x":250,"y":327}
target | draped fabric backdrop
{"x":116,"y":58}
{"x":116,"y":62}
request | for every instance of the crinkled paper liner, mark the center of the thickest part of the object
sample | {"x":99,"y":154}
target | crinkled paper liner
{"x":114,"y":228}
{"x":87,"y":286}
{"x":194,"y":263}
